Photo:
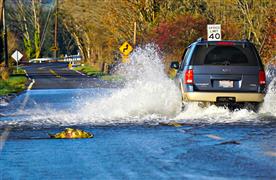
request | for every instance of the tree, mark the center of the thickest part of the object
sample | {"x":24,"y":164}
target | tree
{"x":25,"y":19}
{"x":98,"y":27}
{"x":245,"y":19}
{"x":1,"y":31}
{"x":172,"y":36}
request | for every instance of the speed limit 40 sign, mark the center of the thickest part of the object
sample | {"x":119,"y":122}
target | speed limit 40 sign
{"x":214,"y":32}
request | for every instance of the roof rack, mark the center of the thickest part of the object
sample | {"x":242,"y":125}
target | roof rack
{"x":200,"y":39}
{"x":246,"y":40}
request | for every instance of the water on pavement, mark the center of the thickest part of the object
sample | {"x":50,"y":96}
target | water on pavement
{"x":129,"y":143}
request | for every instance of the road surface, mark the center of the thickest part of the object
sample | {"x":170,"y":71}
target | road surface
{"x":211,"y":143}
{"x":58,"y":76}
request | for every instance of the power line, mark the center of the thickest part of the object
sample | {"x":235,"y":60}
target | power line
{"x":43,"y":36}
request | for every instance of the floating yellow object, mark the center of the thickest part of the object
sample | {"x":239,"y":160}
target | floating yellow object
{"x":172,"y":123}
{"x":175,"y":124}
{"x":70,"y":133}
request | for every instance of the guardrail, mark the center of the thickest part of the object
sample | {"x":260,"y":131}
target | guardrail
{"x":71,"y":58}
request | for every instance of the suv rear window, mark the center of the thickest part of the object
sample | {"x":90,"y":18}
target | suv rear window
{"x":235,"y":55}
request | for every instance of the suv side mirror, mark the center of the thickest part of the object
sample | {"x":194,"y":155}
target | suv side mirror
{"x":174,"y":65}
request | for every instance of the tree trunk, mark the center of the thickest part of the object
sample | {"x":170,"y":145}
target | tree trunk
{"x":26,"y":36}
{"x":1,"y":31}
{"x":36,"y":14}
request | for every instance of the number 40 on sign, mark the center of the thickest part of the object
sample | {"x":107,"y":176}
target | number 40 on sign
{"x":214,"y":32}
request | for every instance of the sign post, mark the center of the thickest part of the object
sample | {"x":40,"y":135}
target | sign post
{"x":17,"y":56}
{"x":125,"y":49}
{"x":214,"y":32}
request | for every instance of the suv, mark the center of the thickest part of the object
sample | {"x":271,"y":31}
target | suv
{"x":221,"y":72}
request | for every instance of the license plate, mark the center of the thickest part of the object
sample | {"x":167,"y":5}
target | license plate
{"x":226,"y":84}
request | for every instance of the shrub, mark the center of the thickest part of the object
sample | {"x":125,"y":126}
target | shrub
{"x":5,"y":74}
{"x":176,"y":34}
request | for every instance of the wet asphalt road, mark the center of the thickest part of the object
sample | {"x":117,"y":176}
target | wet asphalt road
{"x":58,"y":76}
{"x":126,"y":151}
{"x":195,"y":150}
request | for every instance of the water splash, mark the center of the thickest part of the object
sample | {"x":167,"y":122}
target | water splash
{"x":213,"y":114}
{"x":148,"y":95}
{"x":269,"y":105}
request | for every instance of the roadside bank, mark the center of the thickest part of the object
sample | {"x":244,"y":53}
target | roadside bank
{"x":16,"y":83}
{"x":90,"y":71}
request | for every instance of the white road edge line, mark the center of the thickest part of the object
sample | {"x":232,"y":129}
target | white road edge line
{"x":80,"y":73}
{"x":27,"y":75}
{"x":31,"y":85}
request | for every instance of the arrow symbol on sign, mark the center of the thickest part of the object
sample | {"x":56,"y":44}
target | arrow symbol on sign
{"x":125,"y":48}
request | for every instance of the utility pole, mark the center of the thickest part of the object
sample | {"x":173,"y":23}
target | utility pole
{"x":1,"y":30}
{"x":134,"y":34}
{"x":55,"y":49}
{"x":6,"y":51}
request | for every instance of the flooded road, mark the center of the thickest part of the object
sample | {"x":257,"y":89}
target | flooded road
{"x":142,"y":152}
{"x":131,"y":137}
{"x":134,"y":148}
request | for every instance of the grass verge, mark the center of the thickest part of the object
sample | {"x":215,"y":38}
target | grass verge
{"x":91,"y":71}
{"x":112,"y":78}
{"x":16,"y":83}
{"x":88,"y":70}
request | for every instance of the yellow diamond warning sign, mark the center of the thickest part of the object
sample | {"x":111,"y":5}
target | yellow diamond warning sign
{"x":54,"y":48}
{"x":126,"y":48}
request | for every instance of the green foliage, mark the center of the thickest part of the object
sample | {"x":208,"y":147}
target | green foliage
{"x":18,"y":72}
{"x":94,"y":71}
{"x":89,"y":70}
{"x":13,"y":85}
{"x":28,"y":48}
{"x":112,"y":78}
{"x":30,"y":21}
{"x":37,"y":44}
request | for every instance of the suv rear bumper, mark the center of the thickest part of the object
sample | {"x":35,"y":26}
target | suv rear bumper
{"x":212,"y":96}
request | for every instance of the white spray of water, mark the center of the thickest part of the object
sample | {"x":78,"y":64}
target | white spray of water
{"x":148,"y":95}
{"x":213,"y":114}
{"x":269,"y":105}
{"x":148,"y":92}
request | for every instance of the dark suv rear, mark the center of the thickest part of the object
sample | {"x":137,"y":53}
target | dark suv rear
{"x":221,"y":71}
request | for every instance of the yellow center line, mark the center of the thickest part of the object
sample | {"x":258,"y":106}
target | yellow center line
{"x":56,"y":74}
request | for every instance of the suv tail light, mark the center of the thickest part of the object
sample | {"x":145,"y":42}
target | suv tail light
{"x":189,"y":77}
{"x":262,"y":77}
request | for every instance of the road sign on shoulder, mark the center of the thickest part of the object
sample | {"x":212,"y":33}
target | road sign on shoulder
{"x":214,"y":32}
{"x":54,"y":48}
{"x":126,"y":48}
{"x":17,"y":56}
